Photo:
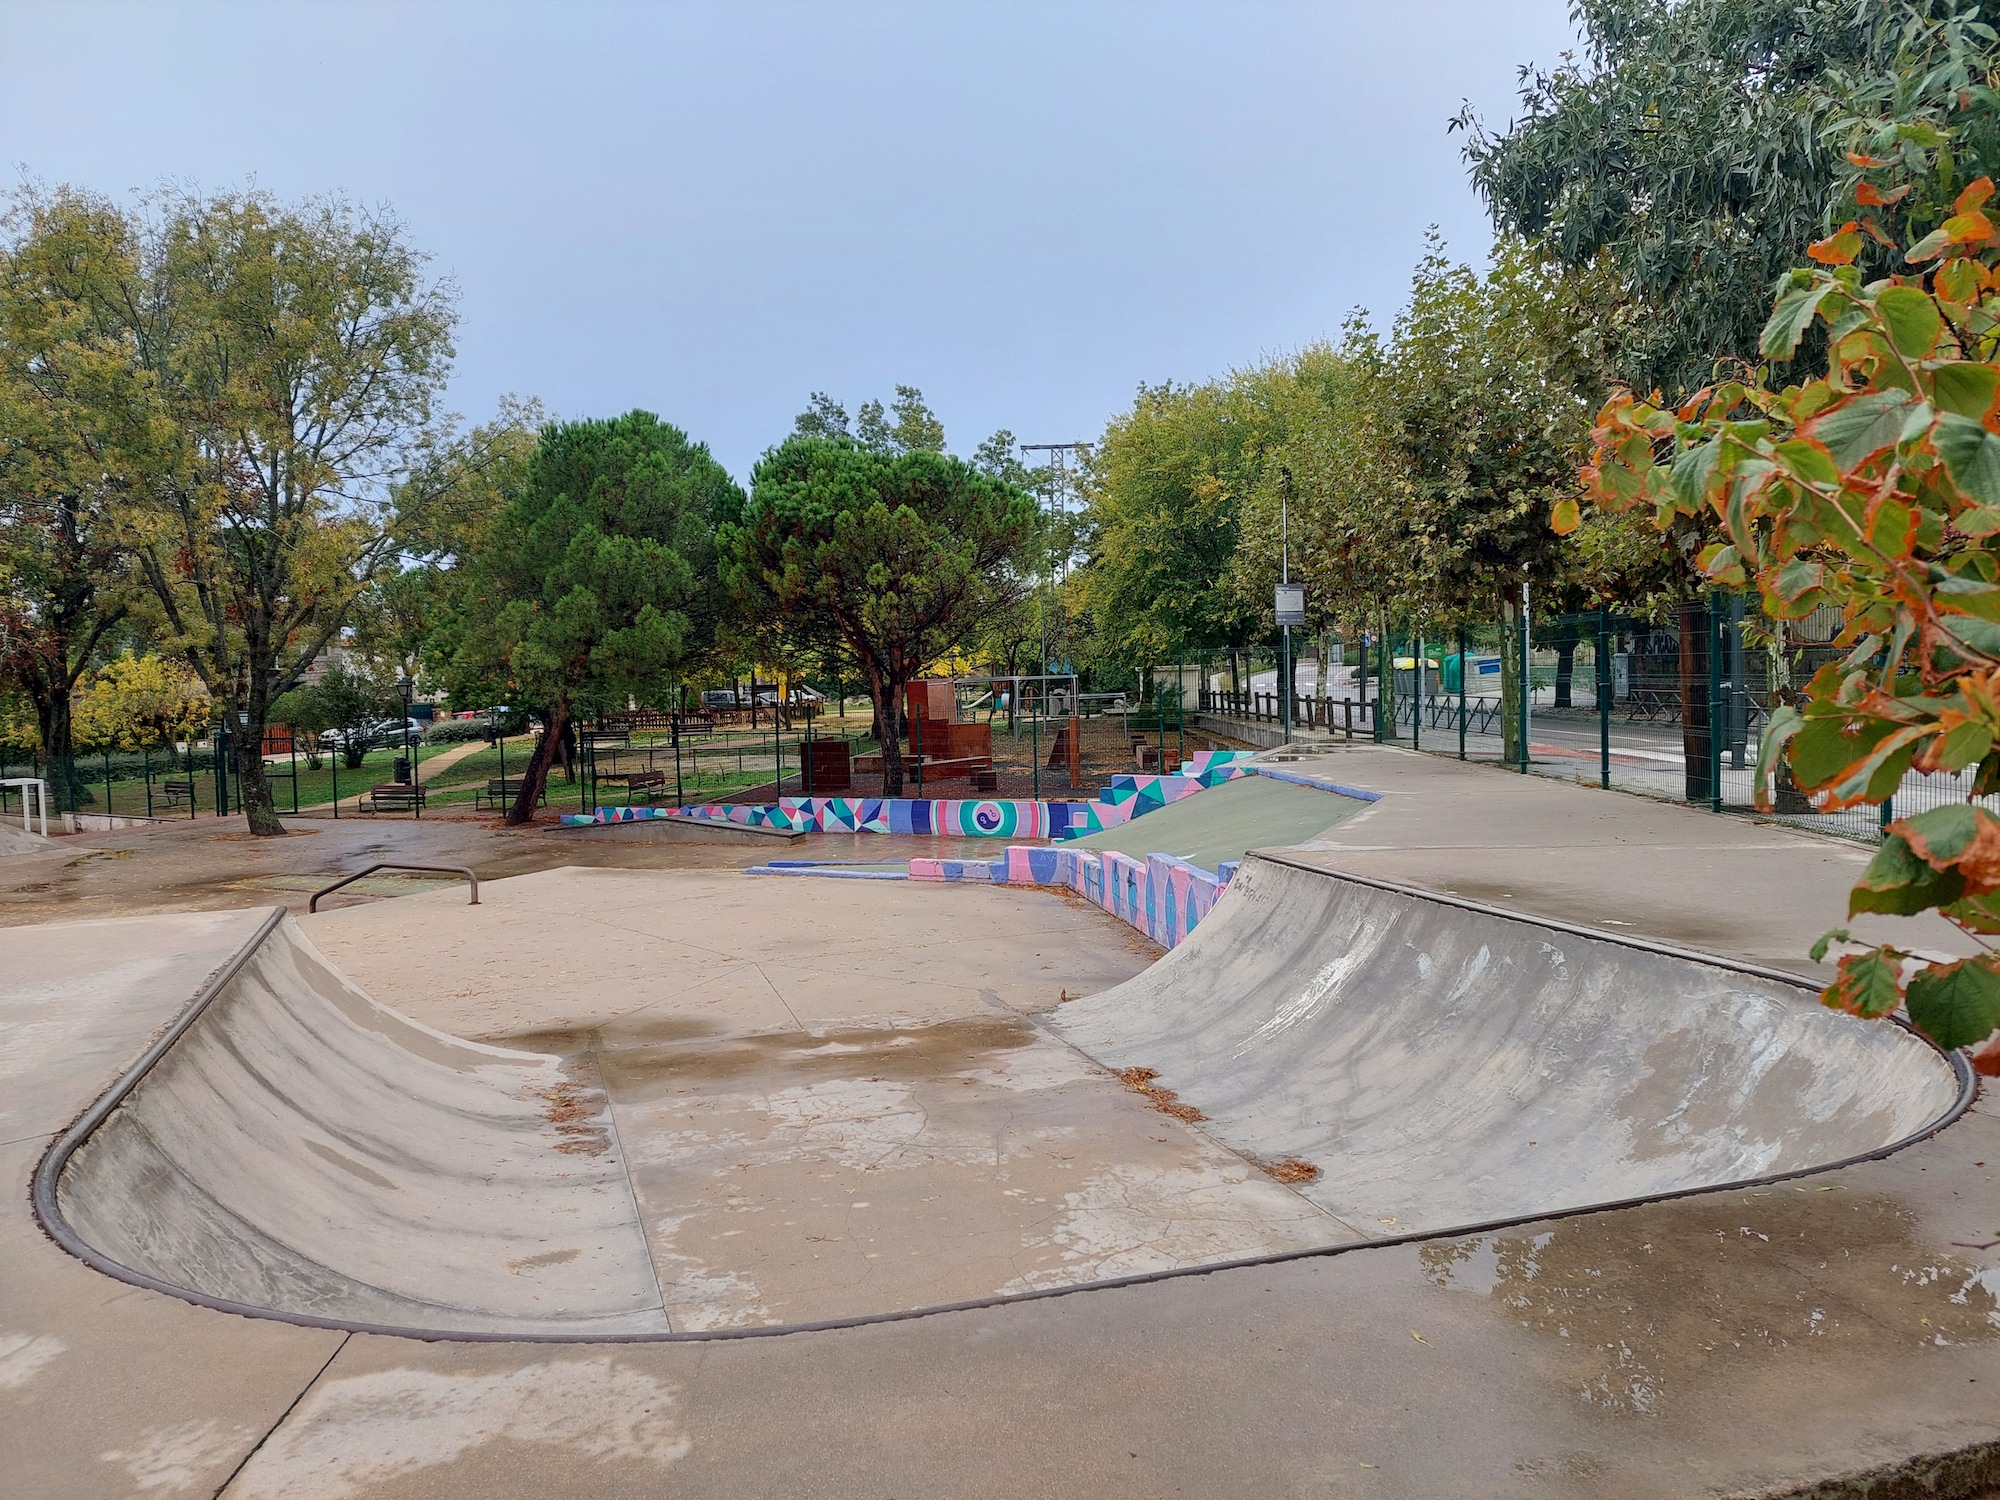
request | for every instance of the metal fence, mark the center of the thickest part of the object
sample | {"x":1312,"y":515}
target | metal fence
{"x":1668,"y":705}
{"x":165,"y":781}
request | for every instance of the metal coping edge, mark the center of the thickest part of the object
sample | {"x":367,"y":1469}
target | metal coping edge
{"x":1317,"y":784}
{"x":48,"y":1173}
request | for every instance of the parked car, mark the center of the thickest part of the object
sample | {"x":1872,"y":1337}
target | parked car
{"x":381,"y":732}
{"x":719,"y":698}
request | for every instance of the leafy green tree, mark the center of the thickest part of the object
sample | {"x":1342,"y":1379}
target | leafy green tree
{"x":903,"y":555}
{"x":1693,"y":148}
{"x":1163,"y":493}
{"x":594,"y":582}
{"x":1874,"y":490}
{"x":292,"y":352}
{"x":907,"y":426}
{"x":350,"y":699}
{"x":73,"y":422}
{"x":823,"y":418}
{"x":132,"y":702}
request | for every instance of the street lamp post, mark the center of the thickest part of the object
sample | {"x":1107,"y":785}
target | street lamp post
{"x":407,"y":690}
{"x":1290,"y":601}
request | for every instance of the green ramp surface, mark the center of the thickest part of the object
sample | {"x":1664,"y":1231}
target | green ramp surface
{"x":1226,"y":821}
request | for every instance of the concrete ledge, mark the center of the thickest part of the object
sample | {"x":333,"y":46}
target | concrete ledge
{"x":680,"y":831}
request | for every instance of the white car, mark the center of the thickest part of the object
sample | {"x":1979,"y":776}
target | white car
{"x":382,"y":732}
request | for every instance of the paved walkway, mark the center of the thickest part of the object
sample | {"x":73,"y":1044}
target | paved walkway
{"x":1743,"y":1342}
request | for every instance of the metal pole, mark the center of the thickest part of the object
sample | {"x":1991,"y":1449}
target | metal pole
{"x":1035,"y":749}
{"x":292,"y":739}
{"x":1603,"y":698}
{"x":1180,"y":707}
{"x":1461,"y":692}
{"x":1417,"y":703}
{"x":1285,"y":576}
{"x":1382,"y":670}
{"x":1714,"y":704}
{"x":146,"y":752}
{"x":1525,"y":696}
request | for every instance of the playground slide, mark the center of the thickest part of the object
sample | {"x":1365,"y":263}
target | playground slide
{"x":1444,"y":1065}
{"x":304,"y":1149}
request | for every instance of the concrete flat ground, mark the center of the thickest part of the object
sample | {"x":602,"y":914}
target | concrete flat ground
{"x":834,"y":1097}
{"x":1748,"y":1342}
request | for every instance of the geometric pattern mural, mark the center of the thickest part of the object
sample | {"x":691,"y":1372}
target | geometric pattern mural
{"x":1126,"y":798}
{"x":1161,"y":895}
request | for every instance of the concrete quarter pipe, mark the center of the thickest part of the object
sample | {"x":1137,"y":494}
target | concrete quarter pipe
{"x":1443,"y":1064}
{"x":291,"y":1147}
{"x":301,"y":1149}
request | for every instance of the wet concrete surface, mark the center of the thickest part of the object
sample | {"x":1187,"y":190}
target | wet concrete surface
{"x":207,"y":863}
{"x":1742,"y":1343}
{"x":836,"y":1100}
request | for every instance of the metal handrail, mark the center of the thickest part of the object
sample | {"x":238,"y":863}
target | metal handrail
{"x":390,"y":864}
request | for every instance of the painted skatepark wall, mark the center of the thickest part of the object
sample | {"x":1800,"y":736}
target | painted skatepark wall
{"x":1162,"y":895}
{"x":1126,"y":798}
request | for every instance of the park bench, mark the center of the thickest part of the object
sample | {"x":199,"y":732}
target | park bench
{"x":393,"y":796}
{"x":179,"y":791}
{"x":651,"y":783}
{"x":501,"y":791}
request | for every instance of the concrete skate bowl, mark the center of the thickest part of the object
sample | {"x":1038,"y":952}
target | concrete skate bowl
{"x":290,"y":1147}
{"x":1446,"y":1066}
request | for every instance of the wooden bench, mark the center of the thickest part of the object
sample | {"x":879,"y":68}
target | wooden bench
{"x":179,"y":791}
{"x":502,"y":791}
{"x":652,"y":783}
{"x":393,"y":796}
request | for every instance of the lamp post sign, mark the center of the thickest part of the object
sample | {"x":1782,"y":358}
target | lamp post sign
{"x":1291,"y":603}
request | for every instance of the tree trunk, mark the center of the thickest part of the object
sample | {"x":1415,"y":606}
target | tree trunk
{"x":52,"y":721}
{"x":1511,"y":668}
{"x":1695,"y":728}
{"x":537,"y":775}
{"x":566,"y":750}
{"x":253,"y":786}
{"x":1385,"y":680}
{"x":1565,"y":670}
{"x":885,"y":690}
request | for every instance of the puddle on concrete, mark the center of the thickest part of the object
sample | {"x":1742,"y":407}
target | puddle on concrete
{"x":1640,"y":1309}
{"x":790,"y":1176}
{"x":633,"y":1060}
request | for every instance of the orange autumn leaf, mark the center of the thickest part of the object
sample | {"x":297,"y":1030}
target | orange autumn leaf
{"x":1976,"y":192}
{"x":1870,"y":196}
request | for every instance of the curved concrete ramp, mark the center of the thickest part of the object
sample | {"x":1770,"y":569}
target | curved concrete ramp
{"x":1444,"y":1066}
{"x":305,"y":1150}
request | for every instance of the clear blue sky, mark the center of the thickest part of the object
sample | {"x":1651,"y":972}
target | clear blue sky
{"x":711,"y":210}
